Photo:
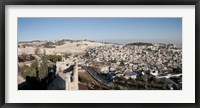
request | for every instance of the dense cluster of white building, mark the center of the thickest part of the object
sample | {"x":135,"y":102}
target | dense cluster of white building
{"x":159,"y":58}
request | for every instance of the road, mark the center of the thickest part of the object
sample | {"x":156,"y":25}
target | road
{"x":168,"y":76}
{"x":100,"y":78}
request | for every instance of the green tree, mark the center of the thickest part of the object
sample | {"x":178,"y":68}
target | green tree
{"x":26,"y":70}
{"x":43,"y":70}
{"x":54,"y":58}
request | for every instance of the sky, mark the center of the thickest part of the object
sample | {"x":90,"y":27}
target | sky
{"x":118,"y":30}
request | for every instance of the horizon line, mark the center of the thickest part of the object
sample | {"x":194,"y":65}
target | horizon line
{"x":107,"y":41}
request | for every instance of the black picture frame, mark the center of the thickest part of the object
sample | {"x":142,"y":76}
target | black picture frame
{"x":98,"y":2}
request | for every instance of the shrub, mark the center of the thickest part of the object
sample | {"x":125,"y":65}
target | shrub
{"x":54,"y":58}
{"x":49,"y":45}
{"x":66,"y":55}
{"x":60,"y":42}
{"x":83,"y":79}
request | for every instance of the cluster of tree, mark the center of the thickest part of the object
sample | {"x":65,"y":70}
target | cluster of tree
{"x":35,"y":66}
{"x":27,"y":70}
{"x":53,"y":45}
{"x":60,"y":42}
{"x":49,"y":45}
{"x":25,"y":45}
{"x":36,"y":74}
{"x":54,"y":58}
{"x":25,"y":57}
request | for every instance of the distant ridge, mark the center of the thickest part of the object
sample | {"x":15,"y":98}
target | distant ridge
{"x":139,"y":43}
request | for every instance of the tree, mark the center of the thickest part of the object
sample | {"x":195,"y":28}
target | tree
{"x":43,"y":66}
{"x":37,"y":51}
{"x":26,"y":70}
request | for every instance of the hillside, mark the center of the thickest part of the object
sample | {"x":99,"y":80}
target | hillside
{"x":64,"y":46}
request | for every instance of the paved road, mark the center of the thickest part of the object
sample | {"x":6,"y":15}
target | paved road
{"x":100,"y":78}
{"x":168,"y":76}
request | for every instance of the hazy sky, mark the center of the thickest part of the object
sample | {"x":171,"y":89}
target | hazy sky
{"x":122,"y":30}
